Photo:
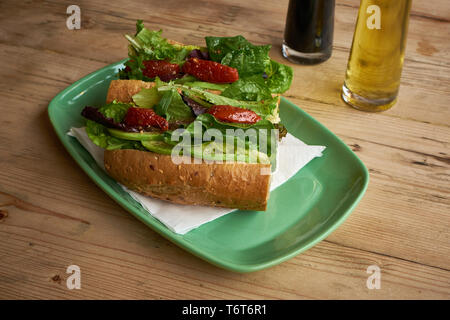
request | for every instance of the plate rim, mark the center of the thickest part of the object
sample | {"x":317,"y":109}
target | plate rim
{"x":179,"y":240}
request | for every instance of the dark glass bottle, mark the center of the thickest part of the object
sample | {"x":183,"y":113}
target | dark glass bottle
{"x":308,"y":35}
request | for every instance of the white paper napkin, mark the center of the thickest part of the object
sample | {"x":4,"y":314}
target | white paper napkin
{"x":293,"y":154}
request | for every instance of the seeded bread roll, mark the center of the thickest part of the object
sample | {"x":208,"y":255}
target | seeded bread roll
{"x":229,"y":185}
{"x":242,"y":186}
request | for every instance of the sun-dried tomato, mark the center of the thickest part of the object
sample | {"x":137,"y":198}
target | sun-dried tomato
{"x":144,"y":117}
{"x":210,"y":71}
{"x":233,"y":114}
{"x":165,"y":70}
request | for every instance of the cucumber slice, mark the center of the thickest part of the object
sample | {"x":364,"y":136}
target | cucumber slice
{"x":157,"y":146}
{"x":213,"y":151}
{"x":137,"y":136}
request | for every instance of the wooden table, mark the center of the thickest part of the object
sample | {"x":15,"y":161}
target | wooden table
{"x":52,"y":215}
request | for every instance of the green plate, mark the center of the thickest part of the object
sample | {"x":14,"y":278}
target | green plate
{"x":300,"y":213}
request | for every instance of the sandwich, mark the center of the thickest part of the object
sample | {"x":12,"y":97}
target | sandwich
{"x":190,"y":124}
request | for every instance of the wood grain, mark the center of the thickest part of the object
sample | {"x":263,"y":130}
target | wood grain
{"x":52,"y":215}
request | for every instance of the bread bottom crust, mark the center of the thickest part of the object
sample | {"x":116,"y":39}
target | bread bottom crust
{"x":229,"y":185}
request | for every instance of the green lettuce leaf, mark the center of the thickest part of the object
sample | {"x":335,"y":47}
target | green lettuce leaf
{"x":218,"y":47}
{"x":207,"y":85}
{"x":249,"y":60}
{"x":153,"y":46}
{"x":208,"y":121}
{"x":173,"y":108}
{"x":264,"y":153}
{"x":280,"y":78}
{"x":150,"y":45}
{"x":147,"y":98}
{"x":239,"y":53}
{"x":115,"y":110}
{"x":249,"y":89}
{"x":101,"y":137}
{"x":236,"y":52}
{"x":267,"y":109}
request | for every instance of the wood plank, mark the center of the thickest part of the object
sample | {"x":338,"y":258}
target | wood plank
{"x":416,"y":161}
{"x":192,"y":21}
{"x":421,"y":194}
{"x":52,"y":215}
{"x":35,"y":256}
{"x":423,"y":80}
{"x":423,"y":93}
{"x":396,"y":217}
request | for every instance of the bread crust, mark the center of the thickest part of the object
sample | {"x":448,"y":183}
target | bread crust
{"x":124,"y":90}
{"x":229,"y":185}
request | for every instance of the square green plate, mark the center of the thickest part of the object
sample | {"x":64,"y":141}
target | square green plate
{"x":301,"y":212}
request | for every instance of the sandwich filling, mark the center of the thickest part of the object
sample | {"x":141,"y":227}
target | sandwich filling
{"x":217,"y":102}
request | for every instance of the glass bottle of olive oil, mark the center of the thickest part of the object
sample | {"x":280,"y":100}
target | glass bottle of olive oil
{"x":376,"y":58}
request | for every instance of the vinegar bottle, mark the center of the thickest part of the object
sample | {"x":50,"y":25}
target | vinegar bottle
{"x":308,"y":35}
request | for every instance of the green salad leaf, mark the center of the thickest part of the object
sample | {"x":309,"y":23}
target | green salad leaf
{"x":101,"y":137}
{"x":253,"y":88}
{"x":252,"y":140}
{"x":239,"y":53}
{"x":173,"y":108}
{"x":153,"y":46}
{"x":250,"y":60}
{"x":280,"y":78}
{"x":236,"y":52}
{"x":167,"y":102}
{"x":115,"y":110}
{"x":150,"y":45}
{"x":267,"y":109}
{"x":147,"y":98}
{"x":218,"y":47}
{"x":206,"y":85}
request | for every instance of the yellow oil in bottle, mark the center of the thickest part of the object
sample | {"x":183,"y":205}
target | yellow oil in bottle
{"x":376,"y":58}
